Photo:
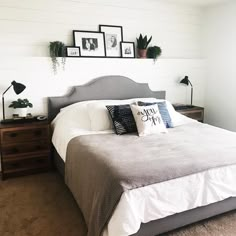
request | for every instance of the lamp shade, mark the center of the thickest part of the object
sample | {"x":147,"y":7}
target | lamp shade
{"x":185,"y":80}
{"x":18,"y":87}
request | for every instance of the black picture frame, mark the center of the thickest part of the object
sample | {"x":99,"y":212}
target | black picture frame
{"x":127,"y":49}
{"x":68,"y":54}
{"x":96,"y":48}
{"x":113,"y":36}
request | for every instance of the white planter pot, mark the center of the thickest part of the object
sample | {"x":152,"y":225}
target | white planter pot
{"x":21,"y":112}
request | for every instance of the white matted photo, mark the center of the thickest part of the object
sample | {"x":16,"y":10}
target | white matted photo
{"x":127,"y":49}
{"x":113,"y":37}
{"x":91,"y":43}
{"x":73,"y":51}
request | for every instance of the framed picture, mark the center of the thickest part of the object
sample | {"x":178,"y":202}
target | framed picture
{"x":73,"y":51}
{"x":127,"y":49}
{"x":91,"y":43}
{"x":113,"y":37}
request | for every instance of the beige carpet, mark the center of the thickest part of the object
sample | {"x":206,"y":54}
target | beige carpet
{"x":41,"y":205}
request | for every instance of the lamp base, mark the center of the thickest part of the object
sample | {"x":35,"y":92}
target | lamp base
{"x":18,"y":121}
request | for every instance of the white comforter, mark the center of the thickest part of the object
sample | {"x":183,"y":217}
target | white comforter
{"x":158,"y":200}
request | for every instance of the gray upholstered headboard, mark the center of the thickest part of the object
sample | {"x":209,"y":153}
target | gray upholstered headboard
{"x":106,"y":87}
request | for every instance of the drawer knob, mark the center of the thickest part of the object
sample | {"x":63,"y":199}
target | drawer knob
{"x":13,"y":135}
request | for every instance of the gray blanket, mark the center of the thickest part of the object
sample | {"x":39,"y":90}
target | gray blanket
{"x":99,"y":168}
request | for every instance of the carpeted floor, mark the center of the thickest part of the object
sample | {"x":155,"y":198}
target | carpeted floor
{"x":41,"y":205}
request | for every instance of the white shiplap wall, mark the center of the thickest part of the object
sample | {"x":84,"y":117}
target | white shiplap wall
{"x":41,"y":83}
{"x":27,"y":27}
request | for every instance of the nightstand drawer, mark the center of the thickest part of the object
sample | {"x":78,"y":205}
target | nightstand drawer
{"x":23,"y":135}
{"x":27,"y":164}
{"x":25,"y":148}
{"x":194,"y":112}
{"x":197,"y":115}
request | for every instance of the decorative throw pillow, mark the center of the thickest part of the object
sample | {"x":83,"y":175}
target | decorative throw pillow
{"x":99,"y":115}
{"x":163,"y":111}
{"x":122,"y":119}
{"x":148,"y":120}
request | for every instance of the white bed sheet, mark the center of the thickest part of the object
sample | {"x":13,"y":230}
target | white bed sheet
{"x":158,"y":200}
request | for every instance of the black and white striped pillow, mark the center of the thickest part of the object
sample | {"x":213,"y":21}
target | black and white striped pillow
{"x":122,"y":118}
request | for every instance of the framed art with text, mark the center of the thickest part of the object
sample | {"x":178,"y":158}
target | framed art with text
{"x":91,"y":43}
{"x":73,"y":51}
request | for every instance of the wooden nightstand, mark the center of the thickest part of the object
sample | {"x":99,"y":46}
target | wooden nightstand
{"x":196,"y":113}
{"x":25,"y":148}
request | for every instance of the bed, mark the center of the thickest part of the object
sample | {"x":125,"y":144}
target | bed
{"x":123,"y":88}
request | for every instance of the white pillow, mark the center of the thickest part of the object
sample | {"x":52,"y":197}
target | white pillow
{"x":93,"y":115}
{"x":148,"y":120}
{"x":75,"y":115}
{"x":177,"y":119}
{"x":99,"y":116}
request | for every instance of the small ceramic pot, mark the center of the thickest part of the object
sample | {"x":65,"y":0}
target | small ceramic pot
{"x":142,"y":53}
{"x":21,"y":112}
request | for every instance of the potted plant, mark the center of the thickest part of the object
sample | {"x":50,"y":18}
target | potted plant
{"x":154,"y":52}
{"x":57,"y":49}
{"x":21,"y":107}
{"x":142,"y":44}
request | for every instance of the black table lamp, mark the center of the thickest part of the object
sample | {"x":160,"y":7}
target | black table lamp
{"x":186,"y":81}
{"x":18,"y":88}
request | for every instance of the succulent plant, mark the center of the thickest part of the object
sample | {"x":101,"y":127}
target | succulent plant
{"x":143,"y":42}
{"x":57,"y":49}
{"x":154,"y":52}
{"x":21,"y":103}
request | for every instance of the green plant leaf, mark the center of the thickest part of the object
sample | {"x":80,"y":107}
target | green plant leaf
{"x":21,"y":103}
{"x":154,"y":52}
{"x":149,"y":41}
{"x":140,"y":37}
{"x":143,"y":42}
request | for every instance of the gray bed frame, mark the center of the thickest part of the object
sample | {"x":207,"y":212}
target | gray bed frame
{"x":120,"y":87}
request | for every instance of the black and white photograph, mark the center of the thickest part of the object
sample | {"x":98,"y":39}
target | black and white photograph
{"x":127,"y":49}
{"x":73,"y":51}
{"x":91,"y":43}
{"x":113,"y":37}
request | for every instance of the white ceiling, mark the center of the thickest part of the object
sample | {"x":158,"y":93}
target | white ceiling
{"x":203,"y":3}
